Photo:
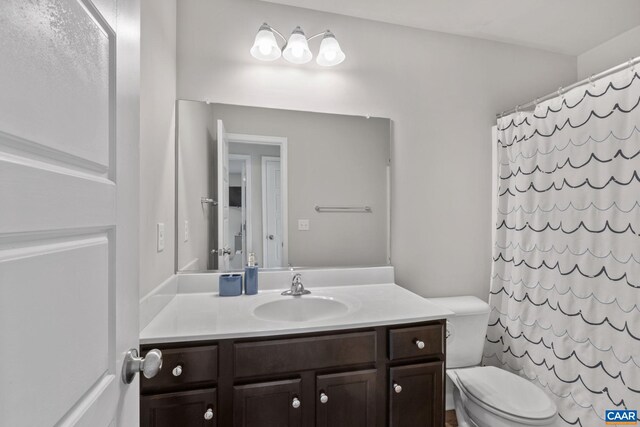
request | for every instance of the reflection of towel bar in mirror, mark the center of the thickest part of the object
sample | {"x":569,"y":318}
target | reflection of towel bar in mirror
{"x":354,"y":209}
{"x":207,"y":201}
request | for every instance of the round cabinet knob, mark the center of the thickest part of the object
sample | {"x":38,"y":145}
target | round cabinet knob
{"x":397,"y":388}
{"x":177,"y":371}
{"x":209,"y":414}
{"x":295,"y":403}
{"x":324,"y":398}
{"x":419,"y":344}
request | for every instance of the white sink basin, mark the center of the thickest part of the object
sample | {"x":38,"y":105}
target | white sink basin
{"x":301,"y":309}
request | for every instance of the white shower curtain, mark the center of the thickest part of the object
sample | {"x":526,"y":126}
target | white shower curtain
{"x":565,"y":292}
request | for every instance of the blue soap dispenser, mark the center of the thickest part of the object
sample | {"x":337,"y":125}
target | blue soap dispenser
{"x":251,"y":276}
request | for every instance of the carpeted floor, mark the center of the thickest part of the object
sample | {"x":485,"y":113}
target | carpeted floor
{"x":450,"y":419}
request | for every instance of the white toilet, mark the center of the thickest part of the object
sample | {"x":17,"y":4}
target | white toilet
{"x":486,"y":396}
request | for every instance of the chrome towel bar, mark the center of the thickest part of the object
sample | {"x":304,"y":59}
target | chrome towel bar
{"x":353,"y":209}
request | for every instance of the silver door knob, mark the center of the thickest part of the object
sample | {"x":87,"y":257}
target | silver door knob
{"x":270,"y":237}
{"x":149,"y":365}
{"x":209,"y":414}
{"x":419,"y":344}
{"x":177,"y":371}
{"x":295,"y":403}
{"x":224,"y":251}
{"x":324,"y":398}
{"x":397,"y":388}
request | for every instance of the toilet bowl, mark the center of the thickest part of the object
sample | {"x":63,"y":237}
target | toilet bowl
{"x":486,"y":396}
{"x":492,"y":397}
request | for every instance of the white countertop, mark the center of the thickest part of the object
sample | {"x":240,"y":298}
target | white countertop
{"x":207,"y":316}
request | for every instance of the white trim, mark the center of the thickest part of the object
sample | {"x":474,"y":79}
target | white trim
{"x":282,"y":142}
{"x":256,"y":139}
{"x":248,"y":236}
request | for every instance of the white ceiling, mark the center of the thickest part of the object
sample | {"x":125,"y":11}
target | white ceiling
{"x":564,"y":26}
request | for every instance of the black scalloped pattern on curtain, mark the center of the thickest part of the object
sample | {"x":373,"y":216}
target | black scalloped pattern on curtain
{"x":565,"y":291}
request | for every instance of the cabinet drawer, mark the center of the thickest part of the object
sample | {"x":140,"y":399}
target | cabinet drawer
{"x":271,"y":404}
{"x":187,"y":408}
{"x":300,"y":354}
{"x":184,"y":366}
{"x":416,"y":341}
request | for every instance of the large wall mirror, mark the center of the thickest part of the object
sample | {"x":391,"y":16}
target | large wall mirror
{"x":298,"y":189}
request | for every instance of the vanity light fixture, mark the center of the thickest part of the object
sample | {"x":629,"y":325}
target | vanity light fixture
{"x":296,"y":49}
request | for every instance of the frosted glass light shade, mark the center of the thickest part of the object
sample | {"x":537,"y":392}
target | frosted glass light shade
{"x":265,"y":47}
{"x":330,"y":52}
{"x":297,"y":49}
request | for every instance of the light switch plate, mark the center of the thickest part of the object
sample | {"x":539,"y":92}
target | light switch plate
{"x":186,"y":230}
{"x":303,"y":225}
{"x":160,"y":236}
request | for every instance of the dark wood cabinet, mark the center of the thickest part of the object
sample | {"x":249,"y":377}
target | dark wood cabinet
{"x":416,"y":395}
{"x":270,"y":404}
{"x":324,"y":379}
{"x":346,"y":399}
{"x":186,"y":408}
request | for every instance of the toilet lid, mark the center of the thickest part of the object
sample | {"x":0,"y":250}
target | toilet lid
{"x":506,"y":392}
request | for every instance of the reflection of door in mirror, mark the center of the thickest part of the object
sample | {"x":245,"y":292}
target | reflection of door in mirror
{"x":272,"y":212}
{"x":253,"y":150}
{"x":239,"y":209}
{"x":224,"y":246}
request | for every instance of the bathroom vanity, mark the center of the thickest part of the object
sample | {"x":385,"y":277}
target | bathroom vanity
{"x":388,"y":375}
{"x":233,"y":362}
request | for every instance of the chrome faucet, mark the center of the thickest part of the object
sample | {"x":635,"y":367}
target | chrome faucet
{"x":297,"y":288}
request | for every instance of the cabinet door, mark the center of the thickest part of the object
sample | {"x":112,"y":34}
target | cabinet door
{"x":346,"y":399}
{"x":185,"y":409}
{"x":271,"y":404}
{"x":417,"y":395}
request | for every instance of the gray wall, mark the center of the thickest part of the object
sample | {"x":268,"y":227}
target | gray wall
{"x":196,"y":152}
{"x":609,"y":54}
{"x":441,"y":91}
{"x":157,"y":139}
{"x":332,"y":160}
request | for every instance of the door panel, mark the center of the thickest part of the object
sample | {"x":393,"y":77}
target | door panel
{"x":420,"y":403}
{"x":185,"y":409}
{"x":267,"y":404}
{"x":272,"y":204}
{"x":346,"y":399}
{"x":224,"y":242}
{"x":68,"y":216}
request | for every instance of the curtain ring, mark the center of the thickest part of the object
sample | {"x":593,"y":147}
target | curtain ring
{"x":536,"y":102}
{"x":632,"y":66}
{"x":561,"y":93}
{"x":593,"y":84}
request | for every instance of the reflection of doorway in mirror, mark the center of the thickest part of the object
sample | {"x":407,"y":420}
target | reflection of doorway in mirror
{"x":256,"y":235}
{"x":272,"y":211}
{"x":239,"y":209}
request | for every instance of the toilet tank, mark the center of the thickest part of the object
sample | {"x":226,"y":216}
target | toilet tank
{"x":466,"y":330}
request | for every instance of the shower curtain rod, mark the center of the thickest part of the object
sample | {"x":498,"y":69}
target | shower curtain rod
{"x":563,"y":90}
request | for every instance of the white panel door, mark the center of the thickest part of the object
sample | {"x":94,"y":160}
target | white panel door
{"x":68,"y":211}
{"x":224,"y":243}
{"x":272,"y":215}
